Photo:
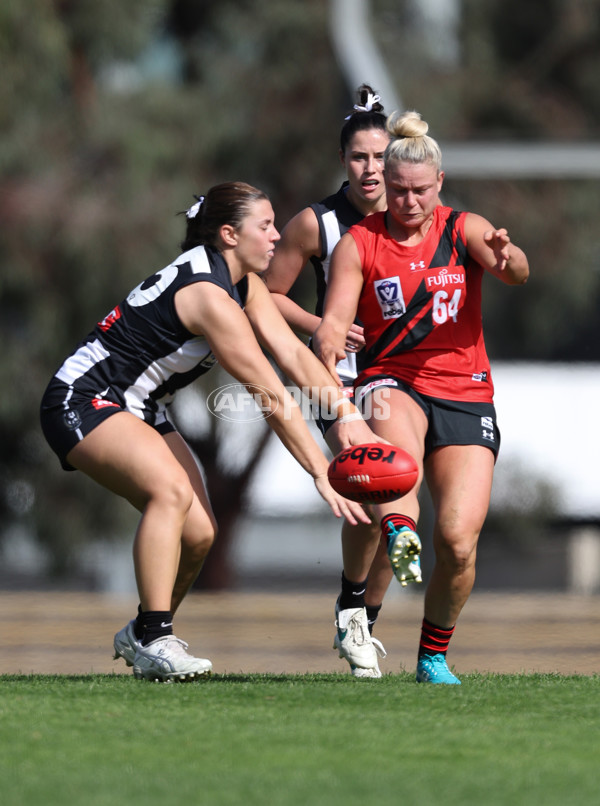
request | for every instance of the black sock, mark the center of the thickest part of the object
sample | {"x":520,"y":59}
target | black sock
{"x":157,"y":624}
{"x":353,"y":594}
{"x":138,"y":624}
{"x":372,"y":613}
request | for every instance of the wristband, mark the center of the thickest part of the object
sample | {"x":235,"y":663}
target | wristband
{"x":348,"y":418}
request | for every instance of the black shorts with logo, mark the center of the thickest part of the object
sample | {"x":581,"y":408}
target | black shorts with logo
{"x":451,"y":422}
{"x":67,"y":417}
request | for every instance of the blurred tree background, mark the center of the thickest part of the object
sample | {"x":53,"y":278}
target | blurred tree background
{"x":112,"y":115}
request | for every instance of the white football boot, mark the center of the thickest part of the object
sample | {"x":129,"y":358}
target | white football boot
{"x":354,"y":642}
{"x":126,"y":644}
{"x":165,"y":659}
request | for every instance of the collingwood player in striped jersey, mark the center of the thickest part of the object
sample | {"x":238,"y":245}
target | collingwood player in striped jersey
{"x":310,"y":237}
{"x":105,"y":411}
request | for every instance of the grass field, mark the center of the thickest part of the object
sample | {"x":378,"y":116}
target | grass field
{"x":306,"y":739}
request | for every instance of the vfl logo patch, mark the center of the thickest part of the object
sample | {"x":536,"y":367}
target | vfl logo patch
{"x":390,"y":298}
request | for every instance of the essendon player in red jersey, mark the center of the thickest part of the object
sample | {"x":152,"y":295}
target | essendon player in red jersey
{"x":413,"y":275}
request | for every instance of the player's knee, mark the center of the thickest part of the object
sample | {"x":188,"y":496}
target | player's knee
{"x":174,"y":492}
{"x":204,"y":538}
{"x":458,"y":548}
{"x":463,"y":557}
{"x":200,"y":536}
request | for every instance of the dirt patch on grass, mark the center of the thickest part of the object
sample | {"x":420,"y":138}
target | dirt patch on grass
{"x":71,"y":633}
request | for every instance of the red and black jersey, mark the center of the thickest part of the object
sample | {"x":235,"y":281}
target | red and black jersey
{"x":421,"y":309}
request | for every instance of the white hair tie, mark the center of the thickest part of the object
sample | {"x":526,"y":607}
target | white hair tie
{"x":370,"y":102}
{"x":195,"y":208}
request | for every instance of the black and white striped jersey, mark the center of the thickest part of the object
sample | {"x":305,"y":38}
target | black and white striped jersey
{"x":140,"y":354}
{"x":335,"y":215}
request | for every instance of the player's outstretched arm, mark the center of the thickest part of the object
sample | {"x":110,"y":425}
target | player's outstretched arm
{"x":229,"y":333}
{"x":493,"y":249}
{"x":302,"y":367}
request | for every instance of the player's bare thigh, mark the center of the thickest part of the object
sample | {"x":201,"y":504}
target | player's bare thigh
{"x":459,"y":478}
{"x":128,"y":457}
{"x":402,"y":422}
{"x":404,"y":425}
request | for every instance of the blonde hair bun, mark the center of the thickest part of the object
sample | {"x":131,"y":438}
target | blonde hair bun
{"x":410,"y":141}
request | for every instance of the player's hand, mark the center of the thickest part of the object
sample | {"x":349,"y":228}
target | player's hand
{"x":340,"y":506}
{"x":330,"y":357}
{"x":327,"y":347}
{"x":498,"y":241}
{"x":356,"y":432}
{"x":355,"y":339}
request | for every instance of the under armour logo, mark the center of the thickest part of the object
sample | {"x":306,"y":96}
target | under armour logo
{"x":488,"y":435}
{"x":419,"y":265}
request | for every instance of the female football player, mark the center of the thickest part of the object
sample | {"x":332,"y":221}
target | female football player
{"x":310,"y":236}
{"x":413,"y":276}
{"x":105,"y":411}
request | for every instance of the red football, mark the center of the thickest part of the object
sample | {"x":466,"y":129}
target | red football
{"x":373,"y":473}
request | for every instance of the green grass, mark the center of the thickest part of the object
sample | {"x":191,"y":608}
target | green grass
{"x":299,"y":739}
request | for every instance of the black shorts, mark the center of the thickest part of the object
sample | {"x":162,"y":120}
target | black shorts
{"x":451,"y":422}
{"x":67,"y":417}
